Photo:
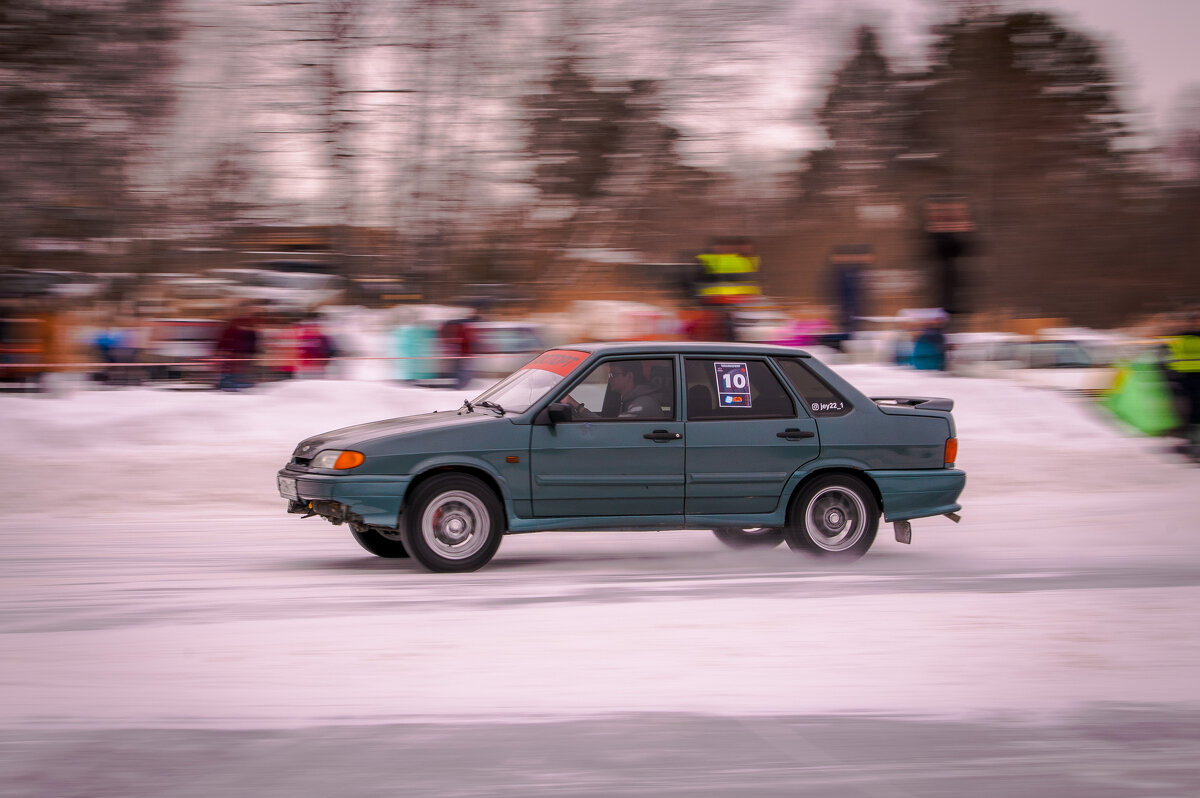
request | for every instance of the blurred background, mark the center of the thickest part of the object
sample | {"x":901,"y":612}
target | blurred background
{"x":825,"y":165}
{"x":212,"y":194}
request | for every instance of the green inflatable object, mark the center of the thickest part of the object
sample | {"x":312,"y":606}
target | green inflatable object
{"x":1141,"y":397}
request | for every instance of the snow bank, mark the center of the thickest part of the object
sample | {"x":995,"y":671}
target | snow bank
{"x":148,"y":447}
{"x":143,"y":448}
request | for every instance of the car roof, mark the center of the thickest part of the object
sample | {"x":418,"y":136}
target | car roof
{"x":684,"y":348}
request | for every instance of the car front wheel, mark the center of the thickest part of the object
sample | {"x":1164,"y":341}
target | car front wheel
{"x":453,"y":523}
{"x":381,"y":544}
{"x":758,"y":538}
{"x":834,"y":517}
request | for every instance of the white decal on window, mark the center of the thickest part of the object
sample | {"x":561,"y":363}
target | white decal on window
{"x":733,"y":384}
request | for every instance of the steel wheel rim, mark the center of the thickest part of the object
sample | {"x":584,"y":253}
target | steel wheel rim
{"x":456,"y":525}
{"x":835,"y":518}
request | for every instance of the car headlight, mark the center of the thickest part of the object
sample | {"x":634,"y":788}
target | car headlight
{"x":337,"y":458}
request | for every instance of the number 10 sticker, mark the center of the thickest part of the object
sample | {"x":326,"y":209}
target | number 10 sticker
{"x":733,"y":384}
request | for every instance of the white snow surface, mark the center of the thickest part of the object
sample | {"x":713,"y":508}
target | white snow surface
{"x":1054,"y":486}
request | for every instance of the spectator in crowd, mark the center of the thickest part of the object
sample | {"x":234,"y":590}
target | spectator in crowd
{"x":455,"y":339}
{"x":847,"y":265}
{"x":1183,"y":372}
{"x":950,"y":237}
{"x":413,"y":342}
{"x":237,"y":349}
{"x":315,"y":349}
{"x":929,"y":348}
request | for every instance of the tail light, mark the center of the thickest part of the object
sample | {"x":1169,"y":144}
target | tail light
{"x":951,"y":452}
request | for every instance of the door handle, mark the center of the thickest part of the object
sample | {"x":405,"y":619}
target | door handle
{"x":662,"y":435}
{"x":793,"y":434}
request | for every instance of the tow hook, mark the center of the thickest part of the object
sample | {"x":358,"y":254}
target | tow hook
{"x":296,"y":506}
{"x":903,"y":531}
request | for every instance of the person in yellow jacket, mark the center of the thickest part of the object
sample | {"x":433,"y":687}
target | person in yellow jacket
{"x":1183,"y":369}
{"x":728,"y":272}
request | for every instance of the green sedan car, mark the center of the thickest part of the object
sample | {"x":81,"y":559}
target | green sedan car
{"x":760,"y":444}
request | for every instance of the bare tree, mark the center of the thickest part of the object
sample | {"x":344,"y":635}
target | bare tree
{"x":83,"y":88}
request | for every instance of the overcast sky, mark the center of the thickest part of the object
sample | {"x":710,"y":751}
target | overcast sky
{"x":1150,"y":45}
{"x":1153,"y":45}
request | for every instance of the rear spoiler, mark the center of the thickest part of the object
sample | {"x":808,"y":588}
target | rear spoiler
{"x":922,"y":402}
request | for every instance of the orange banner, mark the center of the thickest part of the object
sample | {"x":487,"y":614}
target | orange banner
{"x":558,"y":361}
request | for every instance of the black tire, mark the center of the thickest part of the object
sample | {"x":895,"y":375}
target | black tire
{"x":834,"y":517}
{"x":454,"y":522}
{"x":757,"y":538}
{"x":379,"y":544}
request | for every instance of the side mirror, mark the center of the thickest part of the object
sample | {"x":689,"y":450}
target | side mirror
{"x":555,"y":413}
{"x":560,"y":412}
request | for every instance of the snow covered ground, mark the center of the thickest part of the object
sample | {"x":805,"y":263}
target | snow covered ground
{"x":151,"y":577}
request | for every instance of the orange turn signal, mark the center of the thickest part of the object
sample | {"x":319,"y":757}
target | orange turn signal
{"x":951,"y":452}
{"x":350,"y":459}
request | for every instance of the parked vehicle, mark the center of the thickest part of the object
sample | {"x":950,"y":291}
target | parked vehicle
{"x":183,"y":350}
{"x":1069,"y":364}
{"x":494,"y":349}
{"x":282,"y":291}
{"x":758,"y":443}
{"x":500,"y":347}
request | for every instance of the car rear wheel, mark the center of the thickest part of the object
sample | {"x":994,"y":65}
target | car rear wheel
{"x":834,"y":517}
{"x":380,"y":543}
{"x":756,"y":538}
{"x":454,"y":522}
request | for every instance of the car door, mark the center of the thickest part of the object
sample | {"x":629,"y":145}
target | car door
{"x":745,"y":436}
{"x":602,"y":464}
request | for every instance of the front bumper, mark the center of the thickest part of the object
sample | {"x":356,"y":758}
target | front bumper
{"x":376,"y":499}
{"x":919,"y":493}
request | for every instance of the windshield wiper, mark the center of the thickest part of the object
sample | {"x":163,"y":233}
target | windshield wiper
{"x":490,"y":405}
{"x":466,"y":405}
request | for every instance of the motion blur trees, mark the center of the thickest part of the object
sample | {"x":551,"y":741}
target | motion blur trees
{"x":864,"y":115}
{"x":1180,"y":241}
{"x":83,"y":89}
{"x":604,"y":155}
{"x":1018,"y":114}
{"x":1021,"y":114}
{"x":477,"y":138}
{"x":574,"y":131}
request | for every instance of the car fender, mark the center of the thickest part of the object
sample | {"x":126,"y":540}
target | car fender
{"x":427,"y":467}
{"x":840,"y":465}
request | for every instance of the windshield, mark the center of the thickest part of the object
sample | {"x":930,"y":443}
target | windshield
{"x":519,"y":390}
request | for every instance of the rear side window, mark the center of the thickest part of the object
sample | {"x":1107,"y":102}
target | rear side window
{"x":820,"y":399}
{"x":729,"y":389}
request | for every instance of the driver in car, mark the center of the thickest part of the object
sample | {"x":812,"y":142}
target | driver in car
{"x":639,"y":399}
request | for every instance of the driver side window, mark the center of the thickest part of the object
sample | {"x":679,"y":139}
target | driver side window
{"x":590,"y":393}
{"x":619,"y":390}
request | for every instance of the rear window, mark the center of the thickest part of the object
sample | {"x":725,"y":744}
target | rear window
{"x":730,"y":389}
{"x":820,"y":399}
